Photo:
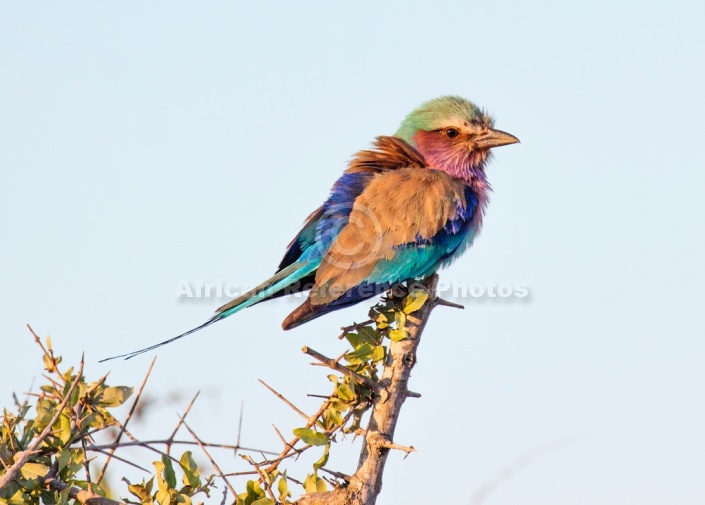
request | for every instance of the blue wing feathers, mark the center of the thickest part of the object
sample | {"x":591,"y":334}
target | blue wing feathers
{"x":323,"y":226}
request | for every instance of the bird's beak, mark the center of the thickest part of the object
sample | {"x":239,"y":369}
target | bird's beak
{"x":495,"y":138}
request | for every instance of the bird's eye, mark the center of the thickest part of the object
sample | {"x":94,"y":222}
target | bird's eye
{"x":451,"y":133}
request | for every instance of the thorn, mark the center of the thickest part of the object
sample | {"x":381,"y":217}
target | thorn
{"x":446,"y":303}
{"x":282,"y":398}
{"x":391,"y":445}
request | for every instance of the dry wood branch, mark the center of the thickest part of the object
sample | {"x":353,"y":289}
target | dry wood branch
{"x":333,"y":364}
{"x":353,"y":327}
{"x":147,"y":443}
{"x":181,"y":420}
{"x":215,"y":465}
{"x":282,"y":398}
{"x":364,"y":486}
{"x":289,"y":447}
{"x":135,"y":442}
{"x":23,"y":457}
{"x":48,"y":354}
{"x":446,"y":303}
{"x":81,"y":495}
{"x":239,"y":428}
{"x":117,"y":458}
{"x":391,"y":445}
{"x":78,"y":494}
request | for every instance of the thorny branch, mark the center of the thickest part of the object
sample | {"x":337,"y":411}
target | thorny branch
{"x":21,"y":458}
{"x":365,"y":484}
{"x":116,"y":443}
{"x":385,"y":396}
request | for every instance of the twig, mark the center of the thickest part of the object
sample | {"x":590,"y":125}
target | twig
{"x":331,"y":363}
{"x":239,"y":429}
{"x":240,"y":474}
{"x":44,"y":350}
{"x":364,"y":486}
{"x":337,"y":475}
{"x":353,"y":327}
{"x":446,"y":303}
{"x":212,"y":461}
{"x":290,"y":445}
{"x":81,"y":495}
{"x":281,"y":437}
{"x":281,"y":397}
{"x":136,"y":442}
{"x":181,"y":420}
{"x":86,"y":461}
{"x":118,"y":458}
{"x":147,"y":443}
{"x":391,"y":445}
{"x":21,"y":406}
{"x":124,"y":425}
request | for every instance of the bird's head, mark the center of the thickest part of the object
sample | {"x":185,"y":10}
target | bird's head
{"x":453,"y":135}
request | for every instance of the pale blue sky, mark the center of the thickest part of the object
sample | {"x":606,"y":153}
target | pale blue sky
{"x":142,"y":144}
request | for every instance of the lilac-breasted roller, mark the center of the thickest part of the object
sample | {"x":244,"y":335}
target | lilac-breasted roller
{"x":403,"y":209}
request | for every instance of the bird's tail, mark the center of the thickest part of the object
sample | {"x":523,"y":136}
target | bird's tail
{"x":274,"y":284}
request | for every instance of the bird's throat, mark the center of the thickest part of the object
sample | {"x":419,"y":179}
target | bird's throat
{"x":456,"y":159}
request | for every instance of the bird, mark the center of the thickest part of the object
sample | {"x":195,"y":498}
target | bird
{"x":408,"y":206}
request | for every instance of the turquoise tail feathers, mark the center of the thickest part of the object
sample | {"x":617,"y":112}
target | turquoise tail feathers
{"x":285,"y":277}
{"x":277,"y":282}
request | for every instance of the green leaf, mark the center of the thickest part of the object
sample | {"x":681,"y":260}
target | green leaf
{"x":360,"y":354}
{"x":283,"y":487}
{"x":49,"y":363}
{"x":166,"y":481}
{"x":64,"y":430}
{"x":345,"y":393}
{"x":169,"y":475}
{"x":74,"y":465}
{"x":264,"y":501}
{"x":377,"y":354}
{"x":190,"y":468}
{"x":382,"y":321}
{"x":397,"y":335}
{"x":77,"y":393}
{"x":114,"y":396}
{"x":331,"y":419}
{"x":310,"y":436}
{"x":369,"y":335}
{"x":63,"y":457}
{"x":34,"y":470}
{"x":323,"y":459}
{"x":161,"y":483}
{"x":400,"y":319}
{"x":414,"y":301}
{"x":64,"y":496}
{"x":314,"y":484}
{"x":182,"y":498}
{"x":354,"y":340}
{"x":254,"y":493}
{"x":141,"y":492}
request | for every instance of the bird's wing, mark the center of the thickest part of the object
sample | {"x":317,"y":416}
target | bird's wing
{"x":303,"y":240}
{"x":323,"y":225}
{"x":402,"y":225}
